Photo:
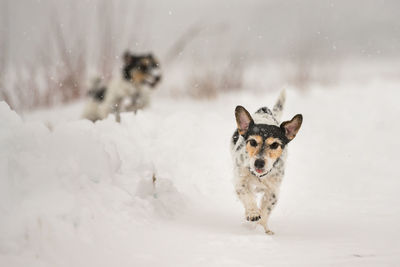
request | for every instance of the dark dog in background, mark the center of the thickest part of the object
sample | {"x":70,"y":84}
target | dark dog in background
{"x":129,"y":92}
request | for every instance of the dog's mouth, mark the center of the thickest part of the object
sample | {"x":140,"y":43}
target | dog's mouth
{"x":259,"y":171}
{"x":153,"y":80}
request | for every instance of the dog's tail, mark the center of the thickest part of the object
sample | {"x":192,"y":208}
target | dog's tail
{"x":278,"y":107}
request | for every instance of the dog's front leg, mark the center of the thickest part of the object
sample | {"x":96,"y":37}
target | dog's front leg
{"x":268,"y":202}
{"x":116,"y":109}
{"x":248,"y":198}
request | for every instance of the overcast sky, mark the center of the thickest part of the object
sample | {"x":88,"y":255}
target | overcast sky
{"x":256,"y":28}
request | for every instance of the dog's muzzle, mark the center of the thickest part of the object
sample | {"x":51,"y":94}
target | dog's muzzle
{"x":155,"y":77}
{"x":259,"y":165}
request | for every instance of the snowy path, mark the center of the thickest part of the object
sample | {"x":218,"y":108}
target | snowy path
{"x":82,"y":194}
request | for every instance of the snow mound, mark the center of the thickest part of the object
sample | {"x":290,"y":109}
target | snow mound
{"x":68,"y":181}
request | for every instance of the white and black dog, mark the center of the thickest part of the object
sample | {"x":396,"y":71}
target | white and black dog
{"x":130,"y":92}
{"x":259,"y":149}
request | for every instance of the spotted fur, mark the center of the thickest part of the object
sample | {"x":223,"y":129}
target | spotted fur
{"x":259,"y":150}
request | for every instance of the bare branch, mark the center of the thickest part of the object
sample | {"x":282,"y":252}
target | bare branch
{"x":180,"y":44}
{"x":106,"y":38}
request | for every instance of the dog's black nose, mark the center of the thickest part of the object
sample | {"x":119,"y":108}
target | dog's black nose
{"x":259,"y":163}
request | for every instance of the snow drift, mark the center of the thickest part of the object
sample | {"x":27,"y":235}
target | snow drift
{"x":82,"y":194}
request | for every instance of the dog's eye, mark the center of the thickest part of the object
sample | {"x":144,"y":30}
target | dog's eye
{"x":253,"y":142}
{"x":274,"y":145}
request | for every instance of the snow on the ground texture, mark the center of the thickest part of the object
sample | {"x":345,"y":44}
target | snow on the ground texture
{"x":81,"y":194}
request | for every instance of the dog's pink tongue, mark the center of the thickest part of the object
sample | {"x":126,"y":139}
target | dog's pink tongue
{"x":259,"y":171}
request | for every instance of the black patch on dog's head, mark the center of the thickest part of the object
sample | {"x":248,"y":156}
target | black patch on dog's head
{"x":130,"y":62}
{"x":144,"y":64}
{"x":235,"y":137}
{"x":266,"y":131}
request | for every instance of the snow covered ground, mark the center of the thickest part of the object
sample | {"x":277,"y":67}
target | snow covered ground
{"x":82,"y":193}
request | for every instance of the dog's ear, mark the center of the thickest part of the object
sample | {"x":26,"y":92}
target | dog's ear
{"x":243,"y":119}
{"x":127,"y":57}
{"x":292,"y":127}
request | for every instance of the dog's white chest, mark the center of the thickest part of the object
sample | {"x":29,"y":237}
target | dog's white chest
{"x":269,"y":184}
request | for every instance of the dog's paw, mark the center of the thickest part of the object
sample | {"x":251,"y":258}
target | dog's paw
{"x":269,"y":232}
{"x":253,"y":215}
